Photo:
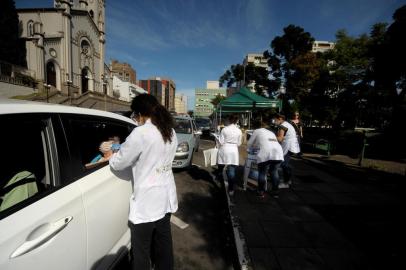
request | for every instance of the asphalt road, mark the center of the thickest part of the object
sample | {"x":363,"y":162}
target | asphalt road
{"x":205,"y":243}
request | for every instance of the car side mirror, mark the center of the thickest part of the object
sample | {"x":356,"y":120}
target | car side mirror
{"x":198,"y":132}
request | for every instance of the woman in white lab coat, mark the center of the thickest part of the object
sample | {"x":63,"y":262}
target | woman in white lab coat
{"x":269,"y":155}
{"x":149,"y":151}
{"x":228,"y":141}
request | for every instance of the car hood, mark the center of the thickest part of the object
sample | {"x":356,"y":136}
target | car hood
{"x":184,"y":137}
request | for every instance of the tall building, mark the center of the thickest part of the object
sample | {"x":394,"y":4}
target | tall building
{"x":163,"y":89}
{"x":126,"y":91}
{"x":257,"y":59}
{"x":66,"y":45}
{"x":203,"y":98}
{"x":155,"y":88}
{"x":124,"y":71}
{"x":322,"y":46}
{"x":181,"y":103}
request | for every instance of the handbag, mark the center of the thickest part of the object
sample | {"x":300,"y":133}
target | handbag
{"x":210,"y":157}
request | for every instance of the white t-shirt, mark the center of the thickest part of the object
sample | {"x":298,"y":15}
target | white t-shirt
{"x":290,"y":142}
{"x":150,"y":159}
{"x":269,"y":147}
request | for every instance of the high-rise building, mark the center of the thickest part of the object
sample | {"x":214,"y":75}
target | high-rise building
{"x":155,"y":88}
{"x":163,"y":89}
{"x":322,"y":46}
{"x":181,"y":103}
{"x":124,"y":71}
{"x":257,"y":59}
{"x":204,"y":97}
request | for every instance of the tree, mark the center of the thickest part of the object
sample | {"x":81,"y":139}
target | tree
{"x":292,"y":64}
{"x":12,"y":48}
{"x":217,"y":99}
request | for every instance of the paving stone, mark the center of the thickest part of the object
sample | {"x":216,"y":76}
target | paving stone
{"x":263,"y":259}
{"x":299,"y":259}
{"x":344,"y":259}
{"x":302,"y":213}
{"x":285,"y":234}
{"x":254,"y":234}
{"x":314,"y":198}
{"x":322,"y":234}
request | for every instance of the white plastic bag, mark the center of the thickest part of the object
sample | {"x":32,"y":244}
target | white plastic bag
{"x":210,"y":157}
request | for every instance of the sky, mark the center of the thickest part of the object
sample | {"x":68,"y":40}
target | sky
{"x":193,"y":41}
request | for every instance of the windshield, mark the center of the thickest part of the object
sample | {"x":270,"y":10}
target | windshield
{"x":202,"y":122}
{"x":183,"y":126}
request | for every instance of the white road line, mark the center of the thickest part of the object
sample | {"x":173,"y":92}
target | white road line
{"x":178,"y":222}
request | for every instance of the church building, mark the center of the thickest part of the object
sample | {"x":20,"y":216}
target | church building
{"x":66,"y":46}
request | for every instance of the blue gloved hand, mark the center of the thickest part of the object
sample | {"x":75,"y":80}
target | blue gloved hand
{"x":115,"y":147}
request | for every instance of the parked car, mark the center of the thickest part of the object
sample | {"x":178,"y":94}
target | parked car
{"x":204,"y":124}
{"x":188,"y":141}
{"x":56,"y":212}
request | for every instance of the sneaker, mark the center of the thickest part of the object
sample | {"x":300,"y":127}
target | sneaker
{"x":261,"y":194}
{"x":283,"y":185}
{"x":290,"y":182}
{"x":231,"y":193}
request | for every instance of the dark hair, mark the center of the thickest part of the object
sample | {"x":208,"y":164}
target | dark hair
{"x":280,"y":116}
{"x":147,"y":105}
{"x":233,"y":118}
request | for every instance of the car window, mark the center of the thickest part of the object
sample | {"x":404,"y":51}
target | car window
{"x":26,"y":172}
{"x":92,"y":139}
{"x":183,"y":126}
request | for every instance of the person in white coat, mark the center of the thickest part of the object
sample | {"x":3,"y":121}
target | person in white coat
{"x":229,"y":141}
{"x":149,"y":151}
{"x":269,"y":155}
{"x":288,"y":138}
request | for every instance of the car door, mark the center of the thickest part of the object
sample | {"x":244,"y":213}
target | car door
{"x":105,"y":195}
{"x":42,"y":222}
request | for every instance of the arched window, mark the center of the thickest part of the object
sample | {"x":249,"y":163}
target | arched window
{"x":30,"y":28}
{"x":51,"y":74}
{"x":85,"y":81}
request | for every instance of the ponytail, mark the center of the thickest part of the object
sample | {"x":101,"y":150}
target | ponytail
{"x":163,"y":120}
{"x":147,"y":105}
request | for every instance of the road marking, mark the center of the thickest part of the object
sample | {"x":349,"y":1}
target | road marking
{"x":178,"y":222}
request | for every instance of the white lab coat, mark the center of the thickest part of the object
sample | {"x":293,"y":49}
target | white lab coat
{"x":150,"y":159}
{"x":228,"y":141}
{"x":269,"y":147}
{"x":290,"y":142}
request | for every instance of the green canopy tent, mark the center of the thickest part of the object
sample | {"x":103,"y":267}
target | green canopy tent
{"x":244,"y":101}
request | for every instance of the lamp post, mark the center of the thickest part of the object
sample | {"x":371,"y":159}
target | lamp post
{"x":69,"y":83}
{"x":47,"y":87}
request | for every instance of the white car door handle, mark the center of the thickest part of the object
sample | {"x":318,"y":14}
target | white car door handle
{"x":50,"y":231}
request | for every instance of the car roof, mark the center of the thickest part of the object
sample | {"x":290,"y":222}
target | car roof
{"x":14,"y":106}
{"x":183,"y":117}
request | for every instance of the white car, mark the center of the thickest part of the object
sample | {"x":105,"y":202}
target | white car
{"x":57,"y":210}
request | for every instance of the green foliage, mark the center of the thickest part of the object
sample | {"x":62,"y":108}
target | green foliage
{"x":12,"y":48}
{"x":217,"y":99}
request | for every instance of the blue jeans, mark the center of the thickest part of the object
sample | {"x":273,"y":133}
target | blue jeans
{"x":230,"y":171}
{"x":263,"y":168}
{"x":287,"y":170}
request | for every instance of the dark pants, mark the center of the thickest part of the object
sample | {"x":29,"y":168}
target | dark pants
{"x":152,"y":243}
{"x":263,"y":168}
{"x":230,"y":171}
{"x":287,"y":170}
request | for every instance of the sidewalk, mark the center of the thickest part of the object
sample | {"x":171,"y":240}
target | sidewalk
{"x":334,"y":217}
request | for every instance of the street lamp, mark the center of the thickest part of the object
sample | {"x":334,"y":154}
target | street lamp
{"x":47,"y":87}
{"x":69,"y":83}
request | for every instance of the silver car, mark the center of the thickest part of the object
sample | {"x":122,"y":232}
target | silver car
{"x":188,"y":141}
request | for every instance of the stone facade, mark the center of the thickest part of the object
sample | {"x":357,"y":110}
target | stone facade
{"x":66,"y":46}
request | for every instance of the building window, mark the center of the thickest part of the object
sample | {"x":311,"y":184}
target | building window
{"x":30,"y":28}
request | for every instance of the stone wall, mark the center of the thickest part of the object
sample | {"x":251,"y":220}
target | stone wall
{"x":8,"y":90}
